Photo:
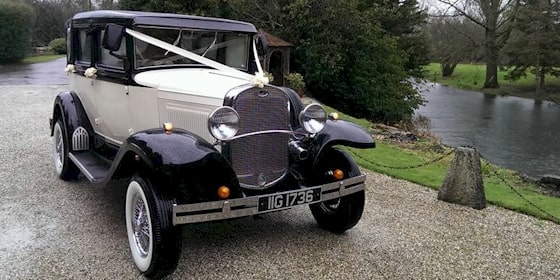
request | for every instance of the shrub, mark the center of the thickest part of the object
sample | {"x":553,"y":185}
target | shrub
{"x":58,"y":45}
{"x":16,"y":19}
{"x":295,"y":81}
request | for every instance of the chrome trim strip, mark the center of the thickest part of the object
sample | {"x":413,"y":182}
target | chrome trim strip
{"x":80,"y":166}
{"x":293,"y":133}
{"x":190,"y":213}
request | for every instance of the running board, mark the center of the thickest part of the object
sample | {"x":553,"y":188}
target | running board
{"x":92,"y":165}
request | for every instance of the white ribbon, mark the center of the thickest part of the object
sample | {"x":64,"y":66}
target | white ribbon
{"x":70,"y":68}
{"x":258,"y":80}
{"x":90,"y":72}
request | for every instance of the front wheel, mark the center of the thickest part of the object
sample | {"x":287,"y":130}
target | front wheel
{"x":154,"y":242}
{"x":341,"y":214}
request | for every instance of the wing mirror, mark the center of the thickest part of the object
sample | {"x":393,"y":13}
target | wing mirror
{"x":112,"y":37}
{"x":262,"y":45}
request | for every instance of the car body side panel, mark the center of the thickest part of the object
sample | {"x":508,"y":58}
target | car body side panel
{"x":111,"y":101}
{"x":142,"y":108}
{"x":82,"y":88}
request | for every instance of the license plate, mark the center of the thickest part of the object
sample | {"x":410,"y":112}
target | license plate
{"x":289,"y":199}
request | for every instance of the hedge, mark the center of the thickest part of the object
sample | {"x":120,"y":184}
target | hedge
{"x":16,"y":20}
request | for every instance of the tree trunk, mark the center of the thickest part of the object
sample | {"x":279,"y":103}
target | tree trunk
{"x":492,"y":53}
{"x":447,"y":69}
{"x":539,"y":79}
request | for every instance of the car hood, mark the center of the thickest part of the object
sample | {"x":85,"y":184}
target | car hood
{"x":202,"y":82}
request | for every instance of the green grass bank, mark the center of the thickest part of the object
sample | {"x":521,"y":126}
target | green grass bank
{"x":41,"y":58}
{"x":389,"y":157}
{"x":471,"y":77}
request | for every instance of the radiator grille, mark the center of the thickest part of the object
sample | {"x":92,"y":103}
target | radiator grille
{"x":261,"y":159}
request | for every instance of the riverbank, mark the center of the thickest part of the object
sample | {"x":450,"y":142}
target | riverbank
{"x":471,"y":77}
{"x":419,"y":157}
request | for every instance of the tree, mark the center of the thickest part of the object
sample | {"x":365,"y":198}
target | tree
{"x":349,"y":61}
{"x":198,"y":7}
{"x":454,"y":40}
{"x":534,"y":43}
{"x":492,"y":16}
{"x":15,"y":34}
{"x":404,"y":21}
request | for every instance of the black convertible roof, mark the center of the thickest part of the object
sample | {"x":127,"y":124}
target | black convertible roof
{"x":161,"y":19}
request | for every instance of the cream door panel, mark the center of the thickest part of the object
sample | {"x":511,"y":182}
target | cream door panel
{"x":83,"y":88}
{"x":143,"y":108}
{"x":112,"y":105}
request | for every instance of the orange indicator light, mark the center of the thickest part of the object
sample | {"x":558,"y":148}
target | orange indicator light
{"x":223,"y":192}
{"x":338,"y":174}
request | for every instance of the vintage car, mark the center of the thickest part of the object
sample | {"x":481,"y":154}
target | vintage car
{"x":180,"y":106}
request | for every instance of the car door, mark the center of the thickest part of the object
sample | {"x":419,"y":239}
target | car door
{"x":110,"y":89}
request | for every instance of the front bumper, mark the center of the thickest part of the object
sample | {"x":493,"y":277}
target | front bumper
{"x":247,"y":206}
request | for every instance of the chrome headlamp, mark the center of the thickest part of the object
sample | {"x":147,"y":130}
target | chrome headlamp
{"x":223,"y":123}
{"x":313,"y":118}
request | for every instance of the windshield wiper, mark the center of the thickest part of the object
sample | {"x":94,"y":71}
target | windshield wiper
{"x":176,"y":42}
{"x":211,"y":45}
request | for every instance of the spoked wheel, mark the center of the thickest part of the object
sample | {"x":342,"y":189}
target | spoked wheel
{"x":341,"y":214}
{"x":65,"y":169}
{"x":154,"y":242}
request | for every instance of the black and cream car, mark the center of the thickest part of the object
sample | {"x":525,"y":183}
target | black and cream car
{"x":180,"y":106}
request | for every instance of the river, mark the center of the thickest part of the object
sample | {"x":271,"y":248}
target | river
{"x":513,"y":132}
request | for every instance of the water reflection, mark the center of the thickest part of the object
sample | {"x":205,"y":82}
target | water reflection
{"x":514,"y":132}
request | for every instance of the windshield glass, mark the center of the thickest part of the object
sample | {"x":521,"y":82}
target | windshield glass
{"x":226,"y":47}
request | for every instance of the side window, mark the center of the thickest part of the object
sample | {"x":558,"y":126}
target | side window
{"x":106,"y":59}
{"x":84,"y":54}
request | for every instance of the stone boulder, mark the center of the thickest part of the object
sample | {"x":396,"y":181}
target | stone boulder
{"x":463,"y":183}
{"x":550,"y":180}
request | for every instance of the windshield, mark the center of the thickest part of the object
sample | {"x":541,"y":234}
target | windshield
{"x":226,"y":47}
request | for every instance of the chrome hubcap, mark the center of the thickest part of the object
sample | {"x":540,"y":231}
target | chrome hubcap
{"x":141,"y":227}
{"x":58,"y":149}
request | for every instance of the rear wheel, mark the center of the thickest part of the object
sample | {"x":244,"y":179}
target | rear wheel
{"x":341,"y":214}
{"x":154,"y":242}
{"x":65,"y":169}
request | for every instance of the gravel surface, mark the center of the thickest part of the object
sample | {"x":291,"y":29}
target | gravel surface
{"x":50,"y":229}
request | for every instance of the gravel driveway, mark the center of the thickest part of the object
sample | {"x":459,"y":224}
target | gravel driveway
{"x":50,"y":229}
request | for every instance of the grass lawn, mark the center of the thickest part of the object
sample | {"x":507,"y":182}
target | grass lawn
{"x":432,"y":175}
{"x":471,"y":77}
{"x":42,"y":58}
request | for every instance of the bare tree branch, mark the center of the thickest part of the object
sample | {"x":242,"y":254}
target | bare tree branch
{"x":462,"y":12}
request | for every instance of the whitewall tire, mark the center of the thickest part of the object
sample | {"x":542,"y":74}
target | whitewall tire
{"x":155,"y":244}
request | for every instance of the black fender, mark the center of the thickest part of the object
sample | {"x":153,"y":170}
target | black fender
{"x":69,"y":108}
{"x":180,"y":164}
{"x":344,"y":133}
